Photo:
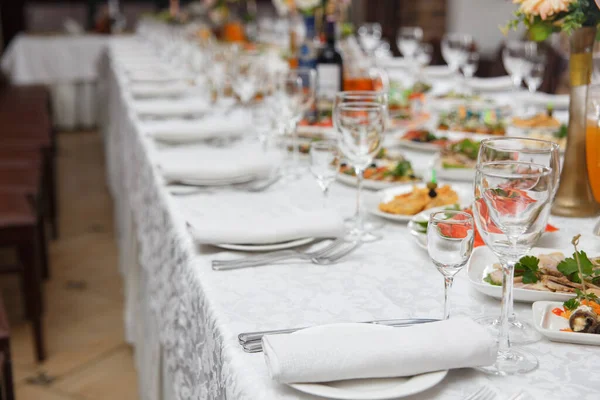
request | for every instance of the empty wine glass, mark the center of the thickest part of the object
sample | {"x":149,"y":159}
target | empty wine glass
{"x":360,"y":126}
{"x":536,"y":151}
{"x":470,"y":66}
{"x":369,"y":35}
{"x":450,"y":244}
{"x":245,"y":80}
{"x":408,"y":40}
{"x":324,"y":164}
{"x":423,"y":57}
{"x":535,"y":76}
{"x":263,"y":124}
{"x":514,"y":59}
{"x":509,"y":211}
{"x":455,"y":50}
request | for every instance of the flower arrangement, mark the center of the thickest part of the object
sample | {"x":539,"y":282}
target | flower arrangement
{"x":543,"y":17}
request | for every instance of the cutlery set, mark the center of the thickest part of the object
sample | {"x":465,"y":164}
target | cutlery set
{"x":255,"y":186}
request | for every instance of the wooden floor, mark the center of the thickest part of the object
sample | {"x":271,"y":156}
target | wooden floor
{"x":88,"y":358}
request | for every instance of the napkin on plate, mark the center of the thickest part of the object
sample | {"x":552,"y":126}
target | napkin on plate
{"x":204,"y":165}
{"x":185,"y":131}
{"x":256,"y":218}
{"x":168,"y":108}
{"x":496,"y":84}
{"x":375,"y":351}
{"x":153,"y":90}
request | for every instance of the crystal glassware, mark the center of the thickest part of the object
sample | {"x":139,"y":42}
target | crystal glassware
{"x":450,"y":244}
{"x":408,"y":40}
{"x":536,"y":151}
{"x":509,"y":211}
{"x":360,"y":126}
{"x":369,"y":36}
{"x":324,"y":162}
{"x":455,"y":50}
{"x":514,"y":59}
{"x":423,"y":58}
{"x":470,"y":65}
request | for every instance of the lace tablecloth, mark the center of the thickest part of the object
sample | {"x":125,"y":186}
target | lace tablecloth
{"x":200,"y":312}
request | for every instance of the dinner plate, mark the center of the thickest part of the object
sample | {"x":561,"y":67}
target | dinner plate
{"x":432,"y":148}
{"x":374,"y":199}
{"x":267,"y":247}
{"x":549,"y":324}
{"x":216,"y":182}
{"x":453,"y":174}
{"x":369,"y":183}
{"x":370,"y":388}
{"x":481,"y":263}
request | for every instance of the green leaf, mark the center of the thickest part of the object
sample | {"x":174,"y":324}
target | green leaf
{"x":568,"y":267}
{"x":489,"y":280}
{"x":562,"y":132}
{"x":530,"y":267}
{"x":530,"y":277}
{"x":571,"y":304}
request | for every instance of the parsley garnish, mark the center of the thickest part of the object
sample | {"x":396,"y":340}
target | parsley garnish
{"x":568,"y":267}
{"x":528,"y":267}
{"x":489,"y":280}
{"x":571,"y":304}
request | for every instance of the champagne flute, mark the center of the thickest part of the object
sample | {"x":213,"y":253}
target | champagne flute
{"x":449,"y":244}
{"x":324,"y":164}
{"x":509,"y":211}
{"x":536,"y":151}
{"x":360,"y":126}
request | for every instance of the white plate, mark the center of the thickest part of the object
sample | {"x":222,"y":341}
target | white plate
{"x":451,"y":135}
{"x":453,"y":174}
{"x":549,"y":324}
{"x":216,"y":182}
{"x":481,"y":263}
{"x":369,"y":183}
{"x":372,"y":202}
{"x":266,"y":247}
{"x":371,"y":388}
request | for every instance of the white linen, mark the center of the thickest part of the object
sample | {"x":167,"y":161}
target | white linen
{"x":154,"y":75}
{"x":166,"y":108}
{"x":276,"y":219}
{"x":153,"y":90}
{"x":374,"y":351}
{"x":206,"y":165}
{"x":186,"y":131}
{"x":496,"y":84}
{"x":543,"y":100}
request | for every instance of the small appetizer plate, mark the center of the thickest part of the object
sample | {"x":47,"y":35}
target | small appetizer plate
{"x":481,"y":263}
{"x":549,"y":324}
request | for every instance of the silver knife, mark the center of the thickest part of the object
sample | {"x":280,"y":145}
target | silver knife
{"x":248,"y":337}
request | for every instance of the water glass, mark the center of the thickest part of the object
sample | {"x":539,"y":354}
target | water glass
{"x":450,"y":236}
{"x":324,"y":162}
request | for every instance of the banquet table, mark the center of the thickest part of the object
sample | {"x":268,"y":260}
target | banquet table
{"x":183,"y":317}
{"x":67,"y":64}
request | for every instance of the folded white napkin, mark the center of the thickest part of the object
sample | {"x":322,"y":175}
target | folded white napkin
{"x":168,"y":108}
{"x":154,"y":90}
{"x":208,"y":165}
{"x":186,"y":131}
{"x":357,"y":351}
{"x":153,"y":75}
{"x":496,"y":84}
{"x":276,"y":218}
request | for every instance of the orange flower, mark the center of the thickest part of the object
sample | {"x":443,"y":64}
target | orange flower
{"x":543,"y":8}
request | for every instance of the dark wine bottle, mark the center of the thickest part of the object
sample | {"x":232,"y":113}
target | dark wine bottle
{"x":330,"y":67}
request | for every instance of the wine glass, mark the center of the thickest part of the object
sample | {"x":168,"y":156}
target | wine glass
{"x":470,"y":66}
{"x":514,"y":59}
{"x":262,"y":122}
{"x":369,"y":35}
{"x":360,"y":126}
{"x":324,"y":164}
{"x":536,"y":151}
{"x":423,"y":58}
{"x":535,"y":75}
{"x":450,"y":244}
{"x":245,"y":78}
{"x":455,"y":50}
{"x":408,"y":39}
{"x":511,"y":199}
{"x":296,"y":93}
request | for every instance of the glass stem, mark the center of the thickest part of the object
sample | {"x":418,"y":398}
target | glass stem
{"x":448,"y":280}
{"x":358,"y":215}
{"x":508,"y":272}
{"x":325,"y":195}
{"x":295,"y":149}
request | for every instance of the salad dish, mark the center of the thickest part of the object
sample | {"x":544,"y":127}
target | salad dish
{"x":464,"y":119}
{"x":423,"y":139}
{"x":558,"y":136}
{"x":418,"y":198}
{"x":380,"y":174}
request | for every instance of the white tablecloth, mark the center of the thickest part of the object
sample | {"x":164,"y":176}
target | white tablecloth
{"x":68,"y":64}
{"x":194,"y":314}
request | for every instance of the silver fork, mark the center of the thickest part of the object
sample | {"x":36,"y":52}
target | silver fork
{"x":326,"y":257}
{"x":483,"y":393}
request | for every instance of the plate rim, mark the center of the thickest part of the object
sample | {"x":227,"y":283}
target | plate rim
{"x":267,"y":247}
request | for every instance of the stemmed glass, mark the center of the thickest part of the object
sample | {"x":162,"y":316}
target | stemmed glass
{"x":245,"y":78}
{"x":470,"y":66}
{"x":455,"y":50}
{"x":423,"y":57}
{"x":535,"y":74}
{"x":514,"y":59}
{"x":511,"y":199}
{"x":450,"y":244}
{"x":296,"y":93}
{"x":324,"y":162}
{"x":369,"y":36}
{"x":360,"y":127}
{"x":408,"y":40}
{"x":536,"y":151}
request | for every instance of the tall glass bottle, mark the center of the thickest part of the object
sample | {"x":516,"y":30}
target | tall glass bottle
{"x":330,"y":69}
{"x":307,"y":57}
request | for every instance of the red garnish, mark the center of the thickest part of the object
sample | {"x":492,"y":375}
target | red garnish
{"x":558,"y":311}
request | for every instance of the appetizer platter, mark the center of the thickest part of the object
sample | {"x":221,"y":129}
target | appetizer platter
{"x":457,"y":160}
{"x":544,"y":120}
{"x":403,"y":202}
{"x":423,"y":139}
{"x":544,"y":274}
{"x":381,"y":174}
{"x":453,"y":99}
{"x":471,"y":120}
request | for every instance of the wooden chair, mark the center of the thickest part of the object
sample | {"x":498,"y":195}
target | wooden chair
{"x":6,"y":388}
{"x":19,"y":230}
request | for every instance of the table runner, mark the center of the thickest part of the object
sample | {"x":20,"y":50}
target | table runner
{"x":200,"y":312}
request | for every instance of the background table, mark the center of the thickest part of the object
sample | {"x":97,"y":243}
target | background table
{"x":184,"y":318}
{"x":68,"y":64}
